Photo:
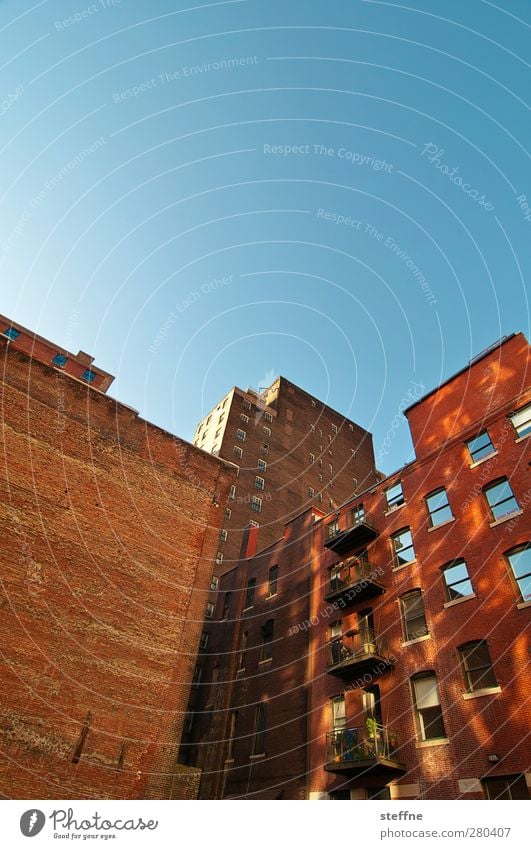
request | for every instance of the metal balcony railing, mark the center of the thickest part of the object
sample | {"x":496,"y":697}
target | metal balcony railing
{"x":352,"y":747}
{"x":356,"y":574}
{"x":356,"y":650}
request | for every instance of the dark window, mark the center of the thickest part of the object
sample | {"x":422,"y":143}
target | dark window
{"x":332,"y":528}
{"x":267,"y":640}
{"x":480,"y":447}
{"x":338,"y":715}
{"x":226,"y":606}
{"x":11,"y":333}
{"x":232,"y":735}
{"x":378,"y":793}
{"x":457,"y":582}
{"x":60,"y":360}
{"x":395,"y":496}
{"x":196,"y":679}
{"x":520,"y":562}
{"x":209,"y":611}
{"x":522,"y":421}
{"x":203,"y":642}
{"x":477,"y":666}
{"x":404,"y":550}
{"x":438,"y":507}
{"x":243,"y":649}
{"x":249,"y":595}
{"x":264,"y":448}
{"x":260,"y":723}
{"x":273,"y":579}
{"x":501,"y":499}
{"x":89,"y":375}
{"x":506,"y":787}
{"x":413,"y":616}
{"x":428,"y":713}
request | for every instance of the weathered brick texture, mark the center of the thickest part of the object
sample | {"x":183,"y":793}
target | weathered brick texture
{"x":109,"y":528}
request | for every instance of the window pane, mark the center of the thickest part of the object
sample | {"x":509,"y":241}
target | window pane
{"x":432,"y":723}
{"x":403,"y":545}
{"x":395,"y":495}
{"x":480,"y":447}
{"x":522,"y":421}
{"x":501,"y":499}
{"x":460,"y":590}
{"x":426,"y":692}
{"x":521,"y":562}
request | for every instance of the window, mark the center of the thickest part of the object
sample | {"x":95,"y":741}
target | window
{"x":428,"y":713}
{"x":311,"y":492}
{"x":88,"y":375}
{"x":243,"y":649}
{"x":203,"y":642}
{"x":395,"y":496}
{"x":267,"y":430}
{"x":214,"y":583}
{"x":60,"y":360}
{"x":256,"y":504}
{"x":196,"y":678}
{"x":413,"y":615}
{"x":260,"y":723}
{"x":404,"y":550}
{"x":312,"y":428}
{"x":314,"y":402}
{"x":312,"y":458}
{"x":246,"y":404}
{"x":273,"y":580}
{"x":226,"y":606}
{"x":266,"y":649}
{"x":337,"y":710}
{"x":240,"y":434}
{"x":11,"y":333}
{"x":480,"y":447}
{"x":259,"y":483}
{"x":320,"y":462}
{"x":232,"y":735}
{"x":268,"y":417}
{"x":262,"y":465}
{"x":219,"y":558}
{"x":217,"y":433}
{"x":209,"y":612}
{"x":332,"y":529}
{"x":249,"y":594}
{"x":320,"y":497}
{"x":331,"y":468}
{"x":357,"y":515}
{"x":520,"y":562}
{"x":244,"y":418}
{"x":264,"y":448}
{"x":522,"y":421}
{"x":221,"y":417}
{"x":334,"y":428}
{"x":501,"y":500}
{"x":336,"y":630}
{"x":238,"y":452}
{"x":228,"y":513}
{"x":506,"y":787}
{"x":438,"y":507}
{"x":351,"y":426}
{"x":320,"y":478}
{"x":253,"y":524}
{"x":477,"y":666}
{"x":330,"y":484}
{"x":223,"y":535}
{"x":457,"y":582}
{"x":232,"y":492}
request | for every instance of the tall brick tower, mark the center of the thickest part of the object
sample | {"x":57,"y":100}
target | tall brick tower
{"x":292,"y":451}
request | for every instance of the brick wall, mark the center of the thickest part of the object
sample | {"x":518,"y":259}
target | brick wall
{"x":108,"y":530}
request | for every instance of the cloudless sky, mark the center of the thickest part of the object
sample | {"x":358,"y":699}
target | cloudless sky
{"x":174,"y":176}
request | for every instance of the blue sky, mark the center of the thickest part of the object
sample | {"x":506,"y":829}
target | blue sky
{"x":209,"y":195}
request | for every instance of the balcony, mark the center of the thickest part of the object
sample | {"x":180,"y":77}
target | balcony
{"x":354,"y":580}
{"x":372,"y":750}
{"x":358,"y":653}
{"x":361,"y":532}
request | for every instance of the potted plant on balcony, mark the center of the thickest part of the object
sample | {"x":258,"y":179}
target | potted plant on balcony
{"x":372,"y":731}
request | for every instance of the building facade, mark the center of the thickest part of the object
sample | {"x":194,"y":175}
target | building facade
{"x":392,"y":658}
{"x":290,"y":451}
{"x":109,"y":529}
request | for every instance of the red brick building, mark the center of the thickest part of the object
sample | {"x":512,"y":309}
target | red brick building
{"x":392,"y":660}
{"x":109,"y":529}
